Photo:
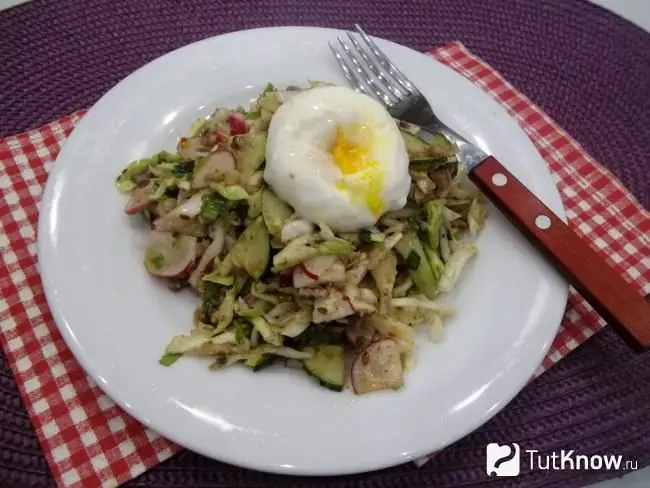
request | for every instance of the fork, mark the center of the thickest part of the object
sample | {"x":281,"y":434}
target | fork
{"x":370,"y":71}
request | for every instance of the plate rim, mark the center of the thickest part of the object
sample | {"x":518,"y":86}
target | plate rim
{"x":109,"y":389}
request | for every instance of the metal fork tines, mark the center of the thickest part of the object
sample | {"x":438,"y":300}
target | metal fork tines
{"x":370,"y":71}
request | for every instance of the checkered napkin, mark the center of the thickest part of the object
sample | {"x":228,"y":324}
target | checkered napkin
{"x":89,"y":441}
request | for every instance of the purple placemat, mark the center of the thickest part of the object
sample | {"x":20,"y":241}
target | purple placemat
{"x":588,"y":69}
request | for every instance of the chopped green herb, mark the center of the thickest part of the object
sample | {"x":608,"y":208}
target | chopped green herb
{"x":183,"y":168}
{"x":171,"y":192}
{"x":242,"y":331}
{"x":413,"y":261}
{"x":169,"y":359}
{"x":210,"y":300}
{"x":365,"y":236}
{"x":158,"y":261}
{"x":212,"y":206}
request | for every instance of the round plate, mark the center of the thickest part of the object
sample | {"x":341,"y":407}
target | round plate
{"x":117,"y":320}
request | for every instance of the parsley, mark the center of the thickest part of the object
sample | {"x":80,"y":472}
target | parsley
{"x":184,"y":168}
{"x":413,"y":261}
{"x":158,"y":261}
{"x":172,"y":192}
{"x":365,"y":236}
{"x":210,"y":299}
{"x":242,"y":331}
{"x":212,"y":206}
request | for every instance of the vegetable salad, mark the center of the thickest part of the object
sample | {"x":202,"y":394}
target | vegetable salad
{"x":273,"y":286}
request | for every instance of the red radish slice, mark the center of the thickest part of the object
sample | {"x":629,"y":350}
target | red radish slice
{"x":222,"y":138}
{"x":359,"y":333}
{"x":313,"y":276}
{"x":168,"y":256}
{"x":320,"y":266}
{"x":139,"y":200}
{"x":350,"y":303}
{"x":237,"y":124}
{"x":318,"y":270}
{"x":378,"y":367}
{"x":219,"y":162}
{"x":301,"y":279}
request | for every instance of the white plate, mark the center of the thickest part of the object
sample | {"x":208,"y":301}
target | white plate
{"x":117,"y":320}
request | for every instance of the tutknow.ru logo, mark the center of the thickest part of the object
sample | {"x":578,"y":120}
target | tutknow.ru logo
{"x":505,"y":460}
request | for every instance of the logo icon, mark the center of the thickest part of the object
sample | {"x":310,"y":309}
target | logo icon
{"x":502,"y":460}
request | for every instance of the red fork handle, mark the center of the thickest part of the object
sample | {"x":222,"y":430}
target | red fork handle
{"x":610,"y":295}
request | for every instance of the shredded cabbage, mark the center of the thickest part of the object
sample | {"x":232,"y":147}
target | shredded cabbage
{"x":271,"y":284}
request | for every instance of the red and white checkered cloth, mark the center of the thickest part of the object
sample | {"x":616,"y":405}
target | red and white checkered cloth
{"x":89,"y":441}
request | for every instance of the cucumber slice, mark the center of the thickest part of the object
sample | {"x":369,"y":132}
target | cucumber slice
{"x":419,"y":151}
{"x":250,"y":151}
{"x":260,"y":361}
{"x":252,"y":250}
{"x":327,"y":366}
{"x":276,"y":213}
{"x":414,"y":145}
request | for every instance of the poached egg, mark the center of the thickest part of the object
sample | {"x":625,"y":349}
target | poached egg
{"x":337,"y":157}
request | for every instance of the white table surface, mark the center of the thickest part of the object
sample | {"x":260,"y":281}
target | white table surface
{"x":638,"y":12}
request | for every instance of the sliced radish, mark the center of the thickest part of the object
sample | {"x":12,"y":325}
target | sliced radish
{"x":359,"y":333}
{"x":319,"y":270}
{"x":168,"y":256}
{"x":307,"y":272}
{"x":237,"y":124}
{"x":321,"y":266}
{"x":220,"y":115}
{"x":219,"y":162}
{"x":378,"y":367}
{"x":192,"y":147}
{"x":139,"y":200}
{"x":222,"y":138}
{"x":347,"y":299}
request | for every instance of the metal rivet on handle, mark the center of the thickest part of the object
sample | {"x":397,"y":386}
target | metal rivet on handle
{"x":542,"y":222}
{"x":499,"y":179}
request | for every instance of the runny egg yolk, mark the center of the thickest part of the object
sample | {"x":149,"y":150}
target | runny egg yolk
{"x":365,"y":178}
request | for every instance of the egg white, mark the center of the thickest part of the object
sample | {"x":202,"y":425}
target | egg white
{"x":302,"y":170}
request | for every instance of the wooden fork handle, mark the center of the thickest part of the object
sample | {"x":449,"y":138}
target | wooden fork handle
{"x":610,"y":295}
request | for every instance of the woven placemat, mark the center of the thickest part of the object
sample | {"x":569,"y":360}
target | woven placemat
{"x":586,"y":68}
